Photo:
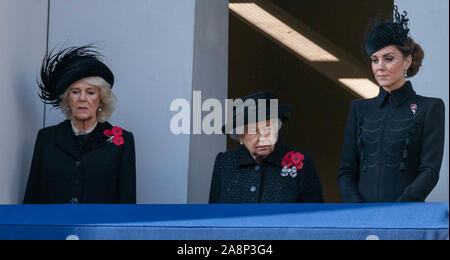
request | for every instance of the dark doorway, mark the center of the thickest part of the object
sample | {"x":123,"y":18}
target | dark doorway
{"x":320,"y":105}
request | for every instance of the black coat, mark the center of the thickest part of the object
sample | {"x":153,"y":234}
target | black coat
{"x":237,"y":178}
{"x":391,"y":153}
{"x":65,"y":171}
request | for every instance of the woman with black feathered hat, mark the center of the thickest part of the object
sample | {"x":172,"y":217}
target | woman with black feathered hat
{"x":83,"y":159}
{"x":394,"y":142}
{"x":263,"y":169}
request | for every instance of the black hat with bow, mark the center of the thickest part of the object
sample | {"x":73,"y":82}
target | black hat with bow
{"x":388,"y":33}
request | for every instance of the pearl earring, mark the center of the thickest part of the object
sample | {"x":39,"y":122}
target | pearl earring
{"x":241,"y":143}
{"x":100,"y":109}
{"x":406,"y":73}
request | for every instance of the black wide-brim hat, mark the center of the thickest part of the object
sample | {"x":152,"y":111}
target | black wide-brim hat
{"x":387,"y":33}
{"x":62,"y":68}
{"x":261,"y":100}
{"x":83,"y":68}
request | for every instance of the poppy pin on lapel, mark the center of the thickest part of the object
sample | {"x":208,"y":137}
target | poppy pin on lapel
{"x":115,"y":136}
{"x":413,"y":108}
{"x":292,"y":163}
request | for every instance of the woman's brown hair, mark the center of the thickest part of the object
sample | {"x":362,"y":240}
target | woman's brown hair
{"x":415,"y":50}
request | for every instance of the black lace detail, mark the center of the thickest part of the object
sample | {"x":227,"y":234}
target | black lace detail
{"x":361,"y":144}
{"x":397,"y":129}
{"x":375,"y":120}
{"x":411,"y":132}
{"x":401,"y":31}
{"x":370,"y":131}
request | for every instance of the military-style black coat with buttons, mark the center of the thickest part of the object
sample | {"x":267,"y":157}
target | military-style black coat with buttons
{"x":237,"y":178}
{"x":63,"y":171}
{"x":393,"y":147}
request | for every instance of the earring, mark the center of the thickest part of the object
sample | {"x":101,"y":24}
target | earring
{"x":241,"y":143}
{"x":100,"y":109}
{"x":406,"y":73}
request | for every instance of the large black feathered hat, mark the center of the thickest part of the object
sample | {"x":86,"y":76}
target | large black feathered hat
{"x":388,"y":32}
{"x":62,"y":68}
{"x":260,"y":100}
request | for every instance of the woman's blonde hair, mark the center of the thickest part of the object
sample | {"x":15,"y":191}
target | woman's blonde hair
{"x":107,"y":99}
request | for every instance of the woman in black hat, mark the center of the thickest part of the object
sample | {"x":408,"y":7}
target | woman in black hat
{"x":394,"y":142}
{"x":263,"y":169}
{"x":83,"y":159}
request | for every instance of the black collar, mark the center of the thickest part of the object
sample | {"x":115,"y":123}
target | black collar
{"x":66,"y":140}
{"x":275,"y":158}
{"x":398,"y":96}
{"x":244,"y":157}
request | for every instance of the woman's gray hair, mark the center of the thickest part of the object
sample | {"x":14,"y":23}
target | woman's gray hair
{"x":240,"y":129}
{"x":107,"y":99}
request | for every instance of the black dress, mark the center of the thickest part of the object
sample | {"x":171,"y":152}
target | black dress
{"x":81,"y":169}
{"x":237,"y":178}
{"x":393,"y":147}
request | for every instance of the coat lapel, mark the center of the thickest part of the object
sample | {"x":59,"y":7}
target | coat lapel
{"x":277,"y":155}
{"x":97,"y":139}
{"x":274,"y":158}
{"x":244,"y":157}
{"x":65,"y":139}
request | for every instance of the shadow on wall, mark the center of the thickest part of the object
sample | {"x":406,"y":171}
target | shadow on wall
{"x":25,"y":98}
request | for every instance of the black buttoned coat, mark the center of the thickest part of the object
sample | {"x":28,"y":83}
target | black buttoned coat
{"x":393,"y":147}
{"x":237,"y":178}
{"x":101,"y":172}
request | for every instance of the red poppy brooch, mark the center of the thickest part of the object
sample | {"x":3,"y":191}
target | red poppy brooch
{"x":115,"y":135}
{"x":292,"y":163}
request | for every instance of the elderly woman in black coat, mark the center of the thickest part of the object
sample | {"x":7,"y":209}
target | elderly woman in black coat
{"x":83,"y":159}
{"x":394,"y":142}
{"x":263,"y":169}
